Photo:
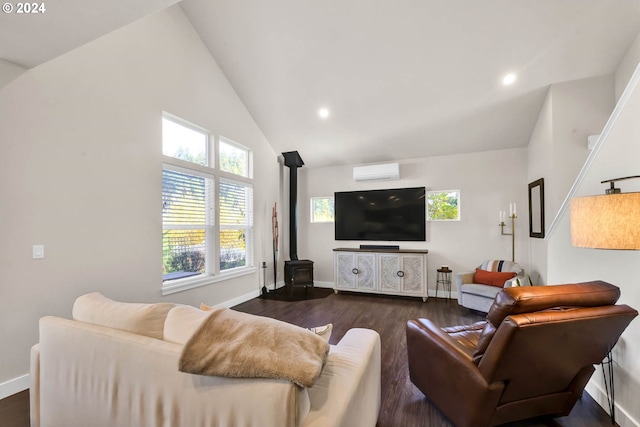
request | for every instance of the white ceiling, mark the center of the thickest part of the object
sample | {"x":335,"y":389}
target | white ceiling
{"x":31,"y":39}
{"x":402,"y":78}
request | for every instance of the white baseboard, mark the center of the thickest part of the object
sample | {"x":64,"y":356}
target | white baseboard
{"x":323,"y":284}
{"x":16,"y":385}
{"x":623,"y":419}
{"x":254,"y":294}
{"x":238,"y":300}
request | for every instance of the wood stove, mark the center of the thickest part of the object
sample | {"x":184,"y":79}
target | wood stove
{"x":296,"y":272}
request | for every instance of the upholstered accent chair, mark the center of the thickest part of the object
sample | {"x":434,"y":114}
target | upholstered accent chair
{"x":477,"y":294}
{"x":532,"y":356}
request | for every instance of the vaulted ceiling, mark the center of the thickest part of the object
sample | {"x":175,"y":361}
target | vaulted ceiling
{"x":400,"y":79}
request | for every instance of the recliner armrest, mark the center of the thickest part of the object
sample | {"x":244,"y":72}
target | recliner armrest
{"x":34,"y":388}
{"x":448,"y":376}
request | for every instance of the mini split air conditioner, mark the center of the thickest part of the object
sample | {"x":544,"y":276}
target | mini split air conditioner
{"x":387,"y":171}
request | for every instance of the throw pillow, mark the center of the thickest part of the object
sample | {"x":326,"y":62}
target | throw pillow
{"x":323,"y":331}
{"x":137,"y":318}
{"x":525,"y":281}
{"x":492,"y":278}
{"x":182,"y":322}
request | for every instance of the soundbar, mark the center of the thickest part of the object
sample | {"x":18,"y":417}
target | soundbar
{"x":381,"y":247}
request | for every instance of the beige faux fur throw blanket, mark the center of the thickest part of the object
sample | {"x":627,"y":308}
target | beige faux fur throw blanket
{"x":234,"y":344}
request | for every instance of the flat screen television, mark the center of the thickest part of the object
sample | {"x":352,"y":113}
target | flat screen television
{"x":386,"y":215}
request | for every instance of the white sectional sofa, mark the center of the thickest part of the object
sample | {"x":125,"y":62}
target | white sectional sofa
{"x":123,"y":373}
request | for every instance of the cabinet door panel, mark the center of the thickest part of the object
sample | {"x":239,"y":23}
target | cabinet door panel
{"x":389,"y":268}
{"x":345,"y":264}
{"x":413,"y":268}
{"x":365,"y":265}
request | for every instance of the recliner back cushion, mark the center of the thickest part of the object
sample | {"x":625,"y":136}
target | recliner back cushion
{"x":535,"y":298}
{"x":137,"y":318}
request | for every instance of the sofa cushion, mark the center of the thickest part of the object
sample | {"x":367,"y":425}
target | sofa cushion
{"x":492,"y":278}
{"x":181,"y":323}
{"x":137,"y":318}
{"x":480,"y":290}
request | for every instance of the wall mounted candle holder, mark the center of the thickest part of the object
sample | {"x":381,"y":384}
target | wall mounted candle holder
{"x":502,"y":224}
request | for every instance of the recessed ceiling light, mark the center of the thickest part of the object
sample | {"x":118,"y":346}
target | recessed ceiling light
{"x":323,"y":112}
{"x":509,"y":79}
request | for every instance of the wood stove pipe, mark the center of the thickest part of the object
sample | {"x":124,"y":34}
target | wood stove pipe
{"x":293,"y":161}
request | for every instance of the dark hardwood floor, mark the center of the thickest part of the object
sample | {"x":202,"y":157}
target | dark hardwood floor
{"x":14,"y":410}
{"x":402,"y":404}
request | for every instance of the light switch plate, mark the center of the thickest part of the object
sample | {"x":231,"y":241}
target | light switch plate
{"x":38,"y":251}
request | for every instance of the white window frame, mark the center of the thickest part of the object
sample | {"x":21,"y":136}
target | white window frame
{"x":212,"y":274}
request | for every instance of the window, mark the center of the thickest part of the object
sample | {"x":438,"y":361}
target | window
{"x":236,"y":221}
{"x":181,"y":141}
{"x":187,"y":223}
{"x":443,"y":205}
{"x":233,"y":158}
{"x":207,"y":214}
{"x":322,"y":209}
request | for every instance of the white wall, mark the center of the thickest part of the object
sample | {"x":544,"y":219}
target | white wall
{"x":618,"y":157}
{"x":627,"y":66}
{"x":558,"y":147}
{"x":488,"y":182}
{"x":80,"y":173}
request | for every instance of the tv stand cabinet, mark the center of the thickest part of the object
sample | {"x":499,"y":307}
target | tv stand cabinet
{"x":400,"y":272}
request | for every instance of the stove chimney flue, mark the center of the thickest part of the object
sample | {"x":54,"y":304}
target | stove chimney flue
{"x":293,"y":161}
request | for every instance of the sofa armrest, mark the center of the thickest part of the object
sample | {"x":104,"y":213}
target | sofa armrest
{"x":448,"y":376}
{"x":34,"y":387}
{"x":347,"y":393}
{"x":463,"y":279}
{"x":92,"y":375}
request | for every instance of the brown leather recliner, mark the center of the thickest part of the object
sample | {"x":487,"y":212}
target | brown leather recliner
{"x":532,"y":356}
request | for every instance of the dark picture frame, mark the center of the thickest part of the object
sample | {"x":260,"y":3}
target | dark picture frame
{"x":536,"y":209}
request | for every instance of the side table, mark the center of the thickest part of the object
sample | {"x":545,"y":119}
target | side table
{"x":444,"y":278}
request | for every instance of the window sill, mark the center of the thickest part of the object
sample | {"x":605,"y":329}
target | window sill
{"x":180,"y":285}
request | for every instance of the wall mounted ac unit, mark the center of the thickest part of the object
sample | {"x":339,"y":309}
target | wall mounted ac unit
{"x":386,"y":171}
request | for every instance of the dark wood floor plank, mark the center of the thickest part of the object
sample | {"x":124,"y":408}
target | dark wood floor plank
{"x":14,"y":410}
{"x":402,"y":404}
